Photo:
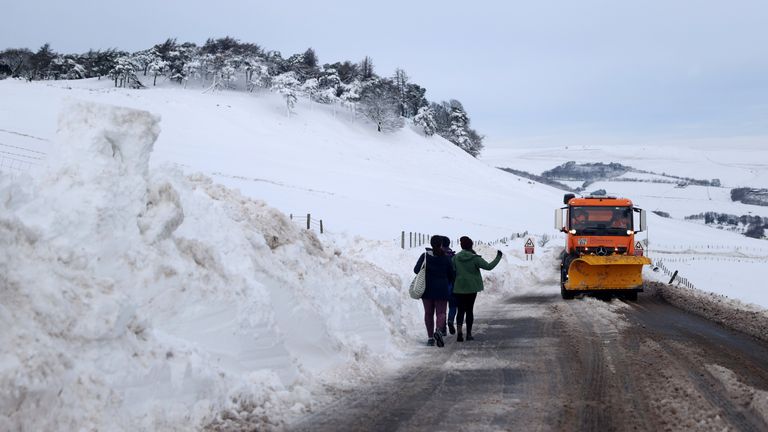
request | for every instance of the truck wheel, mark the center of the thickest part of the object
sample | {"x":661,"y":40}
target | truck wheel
{"x":631,"y":296}
{"x":567,"y":295}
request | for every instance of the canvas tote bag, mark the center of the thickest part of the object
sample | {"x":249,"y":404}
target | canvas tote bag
{"x":419,"y":283}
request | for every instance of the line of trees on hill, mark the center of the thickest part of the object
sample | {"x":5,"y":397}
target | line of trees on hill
{"x":227,"y":63}
{"x":751,"y":226}
{"x":754,"y":196}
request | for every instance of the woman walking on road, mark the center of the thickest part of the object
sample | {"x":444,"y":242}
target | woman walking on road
{"x":440,"y":274}
{"x":468,"y":283}
{"x":451,"y":299}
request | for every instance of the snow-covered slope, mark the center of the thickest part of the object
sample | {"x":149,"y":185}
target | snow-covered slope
{"x":141,"y":290}
{"x":317,"y":161}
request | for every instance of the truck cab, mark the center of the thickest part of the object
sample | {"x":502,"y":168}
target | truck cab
{"x":600,"y":250}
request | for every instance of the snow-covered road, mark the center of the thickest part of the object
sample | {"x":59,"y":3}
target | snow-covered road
{"x":541,"y":363}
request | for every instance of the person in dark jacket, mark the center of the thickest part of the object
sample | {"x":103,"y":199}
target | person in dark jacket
{"x":439,"y":275}
{"x":468,"y":283}
{"x":452,"y":299}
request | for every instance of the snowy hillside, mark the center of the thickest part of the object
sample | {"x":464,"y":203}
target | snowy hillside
{"x":151,"y":272}
{"x":319,"y":161}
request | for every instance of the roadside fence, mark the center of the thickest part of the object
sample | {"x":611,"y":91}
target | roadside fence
{"x":709,"y":248}
{"x":717,"y":258}
{"x":413,"y":239}
{"x":308,"y":222}
{"x":674,"y":276}
{"x":410,"y":240}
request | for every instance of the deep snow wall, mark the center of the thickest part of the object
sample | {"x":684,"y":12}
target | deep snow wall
{"x":138,"y":299}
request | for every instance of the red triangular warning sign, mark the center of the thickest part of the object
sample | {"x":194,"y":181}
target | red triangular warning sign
{"x":529,"y":243}
{"x":638,"y":245}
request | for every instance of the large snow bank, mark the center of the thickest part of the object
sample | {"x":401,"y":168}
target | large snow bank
{"x":138,"y":299}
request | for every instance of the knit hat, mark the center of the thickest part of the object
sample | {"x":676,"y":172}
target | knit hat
{"x":466,"y":243}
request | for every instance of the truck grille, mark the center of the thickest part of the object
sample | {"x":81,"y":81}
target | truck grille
{"x":601,"y":250}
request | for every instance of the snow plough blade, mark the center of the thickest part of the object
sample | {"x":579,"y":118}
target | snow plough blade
{"x":612,"y":272}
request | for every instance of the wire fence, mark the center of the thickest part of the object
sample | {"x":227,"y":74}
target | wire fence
{"x":13,"y":166}
{"x":410,"y":240}
{"x":705,"y":254}
{"x":708,"y":248}
{"x":308,"y":222}
{"x":716,"y":258}
{"x":674,"y":276}
{"x":17,"y":159}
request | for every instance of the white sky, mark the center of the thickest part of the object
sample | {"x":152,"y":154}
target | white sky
{"x":562,"y":69}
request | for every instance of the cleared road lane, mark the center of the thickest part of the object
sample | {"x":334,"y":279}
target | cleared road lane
{"x":542,"y":363}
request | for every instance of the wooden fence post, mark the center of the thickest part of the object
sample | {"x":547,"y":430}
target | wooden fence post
{"x":402,"y":240}
{"x":321,"y":226}
{"x":308,"y":219}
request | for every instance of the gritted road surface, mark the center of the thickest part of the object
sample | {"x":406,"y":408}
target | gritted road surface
{"x":540,"y":363}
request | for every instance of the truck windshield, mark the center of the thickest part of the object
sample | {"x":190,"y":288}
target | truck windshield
{"x":600,"y":220}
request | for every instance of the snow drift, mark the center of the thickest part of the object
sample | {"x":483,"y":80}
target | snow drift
{"x":140,"y":299}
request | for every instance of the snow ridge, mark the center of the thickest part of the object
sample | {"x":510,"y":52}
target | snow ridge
{"x":140,"y":299}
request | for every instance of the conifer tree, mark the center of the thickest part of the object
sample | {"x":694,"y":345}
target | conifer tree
{"x":426,"y":119}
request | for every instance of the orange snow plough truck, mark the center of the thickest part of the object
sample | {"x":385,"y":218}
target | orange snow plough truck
{"x":599,"y":254}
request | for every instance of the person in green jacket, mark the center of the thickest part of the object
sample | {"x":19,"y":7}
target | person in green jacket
{"x":468,"y":283}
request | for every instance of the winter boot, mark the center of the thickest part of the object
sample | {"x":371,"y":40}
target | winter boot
{"x":469,"y":336}
{"x":431,"y":342}
{"x":459,"y":335}
{"x":439,"y":339}
{"x":451,"y":328}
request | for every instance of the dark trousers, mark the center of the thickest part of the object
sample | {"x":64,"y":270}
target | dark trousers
{"x":465,"y":304}
{"x":452,"y":306}
{"x":432,"y":308}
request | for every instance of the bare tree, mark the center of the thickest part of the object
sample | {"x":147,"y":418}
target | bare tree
{"x":401,"y":84}
{"x":366,"y":69}
{"x":17,"y":60}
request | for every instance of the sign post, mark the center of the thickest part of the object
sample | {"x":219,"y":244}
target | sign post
{"x":528,"y":248}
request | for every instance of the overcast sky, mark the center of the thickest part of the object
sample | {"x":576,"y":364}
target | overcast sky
{"x":565,"y":68}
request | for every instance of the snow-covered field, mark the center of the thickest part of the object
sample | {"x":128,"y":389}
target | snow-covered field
{"x":710,"y":259}
{"x":151,"y":277}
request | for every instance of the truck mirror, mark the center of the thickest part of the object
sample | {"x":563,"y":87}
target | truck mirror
{"x":559,"y":219}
